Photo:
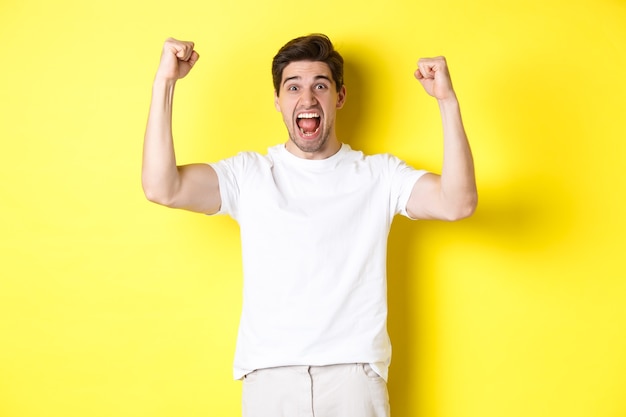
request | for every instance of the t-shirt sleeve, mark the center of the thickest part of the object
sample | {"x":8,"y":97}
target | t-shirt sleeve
{"x":403,"y":177}
{"x":229,"y":173}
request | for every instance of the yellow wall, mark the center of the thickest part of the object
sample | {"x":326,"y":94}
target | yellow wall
{"x":111,"y":306}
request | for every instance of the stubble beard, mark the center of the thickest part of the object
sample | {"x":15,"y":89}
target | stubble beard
{"x":310,"y":147}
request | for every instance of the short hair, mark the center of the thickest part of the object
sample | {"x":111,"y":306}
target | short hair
{"x":314,"y":47}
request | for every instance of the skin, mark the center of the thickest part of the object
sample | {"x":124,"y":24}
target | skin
{"x":451,"y":195}
{"x":305,"y":87}
{"x":192,"y":187}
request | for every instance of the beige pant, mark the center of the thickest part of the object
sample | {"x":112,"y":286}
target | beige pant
{"x":350,"y":390}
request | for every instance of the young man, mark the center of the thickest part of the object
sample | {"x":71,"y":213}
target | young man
{"x":314,"y":217}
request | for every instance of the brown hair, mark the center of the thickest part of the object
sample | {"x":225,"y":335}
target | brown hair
{"x":314,"y":47}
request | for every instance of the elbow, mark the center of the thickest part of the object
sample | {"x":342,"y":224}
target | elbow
{"x":154,"y":197}
{"x":463,"y":210}
{"x":156,"y":194}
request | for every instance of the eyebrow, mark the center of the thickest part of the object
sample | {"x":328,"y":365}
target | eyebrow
{"x":317,"y":77}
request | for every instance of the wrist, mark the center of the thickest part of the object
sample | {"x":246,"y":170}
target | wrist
{"x":163,"y":82}
{"x":450,"y":103}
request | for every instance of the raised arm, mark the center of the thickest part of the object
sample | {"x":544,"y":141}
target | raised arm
{"x":192,"y":187}
{"x":451,"y":195}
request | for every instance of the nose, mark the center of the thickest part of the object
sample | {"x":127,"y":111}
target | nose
{"x":308,"y":98}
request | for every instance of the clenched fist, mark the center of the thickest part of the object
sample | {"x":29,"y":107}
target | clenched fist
{"x":434,"y":76}
{"x":177,"y":59}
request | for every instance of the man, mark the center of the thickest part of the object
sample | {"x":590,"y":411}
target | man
{"x":314,"y":217}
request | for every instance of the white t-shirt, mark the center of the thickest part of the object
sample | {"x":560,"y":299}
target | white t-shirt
{"x":314,"y":245}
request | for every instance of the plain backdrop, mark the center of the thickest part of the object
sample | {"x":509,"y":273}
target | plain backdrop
{"x":112,"y":306}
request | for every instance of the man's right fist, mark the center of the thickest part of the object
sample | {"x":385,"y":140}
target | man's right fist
{"x":177,"y":59}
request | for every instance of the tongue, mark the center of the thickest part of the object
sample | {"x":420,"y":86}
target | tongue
{"x":308,"y":125}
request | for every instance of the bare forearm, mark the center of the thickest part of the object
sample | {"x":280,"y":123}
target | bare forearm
{"x":193,"y":187}
{"x":159,"y":170}
{"x":451,"y":195}
{"x":458,"y":183}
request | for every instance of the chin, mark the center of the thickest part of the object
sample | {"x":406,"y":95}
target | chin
{"x":309,"y":146}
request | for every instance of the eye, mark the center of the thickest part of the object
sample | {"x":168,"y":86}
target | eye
{"x":320,"y":86}
{"x":292,"y":88}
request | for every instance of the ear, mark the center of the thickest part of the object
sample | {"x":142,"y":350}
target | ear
{"x":276,"y":103}
{"x":341,"y":97}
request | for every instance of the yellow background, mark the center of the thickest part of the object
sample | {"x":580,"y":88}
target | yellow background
{"x":112,"y":306}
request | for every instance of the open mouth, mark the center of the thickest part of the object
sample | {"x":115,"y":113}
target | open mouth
{"x":308,"y":123}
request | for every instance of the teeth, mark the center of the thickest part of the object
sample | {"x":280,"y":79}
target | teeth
{"x":308,"y":115}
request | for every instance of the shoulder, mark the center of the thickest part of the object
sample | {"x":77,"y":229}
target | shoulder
{"x":392,"y":167}
{"x":380,"y":161}
{"x":245,"y":160}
